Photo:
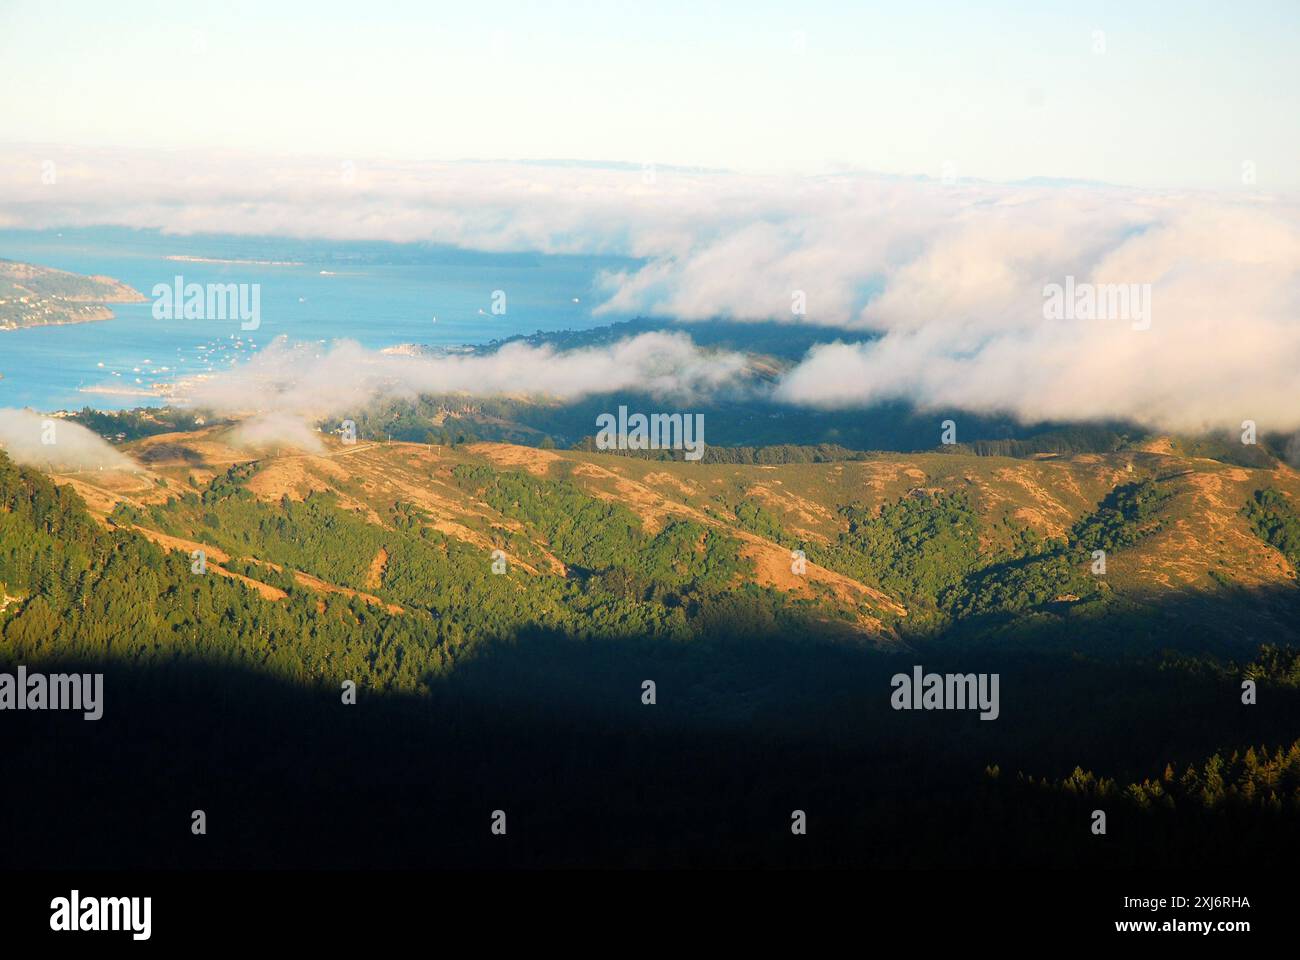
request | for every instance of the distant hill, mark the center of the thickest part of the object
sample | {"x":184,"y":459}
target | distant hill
{"x":32,"y":296}
{"x":748,"y":416}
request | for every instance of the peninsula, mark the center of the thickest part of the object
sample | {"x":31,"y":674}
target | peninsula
{"x":32,"y":296}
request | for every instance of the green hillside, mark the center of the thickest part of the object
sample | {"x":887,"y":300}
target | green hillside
{"x":32,"y":296}
{"x":374,"y":563}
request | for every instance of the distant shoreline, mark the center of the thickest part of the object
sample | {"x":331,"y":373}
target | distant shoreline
{"x":255,"y":263}
{"x":33,"y":296}
{"x":107,"y":314}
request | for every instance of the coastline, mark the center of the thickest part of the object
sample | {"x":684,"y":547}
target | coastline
{"x":247,"y":263}
{"x":36,"y":296}
{"x":103,"y":314}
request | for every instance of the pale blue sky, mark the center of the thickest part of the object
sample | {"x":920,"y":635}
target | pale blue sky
{"x":1183,"y":94}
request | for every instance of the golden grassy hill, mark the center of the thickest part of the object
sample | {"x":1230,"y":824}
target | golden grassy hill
{"x":1203,"y":545}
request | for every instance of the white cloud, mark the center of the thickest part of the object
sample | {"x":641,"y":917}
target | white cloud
{"x":39,"y":441}
{"x":951,"y":278}
{"x":308,"y":381}
{"x":272,"y":431}
{"x":962,"y":326}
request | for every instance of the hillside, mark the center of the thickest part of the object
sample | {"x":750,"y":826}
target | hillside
{"x":32,"y":296}
{"x":372,"y":564}
{"x":899,"y":548}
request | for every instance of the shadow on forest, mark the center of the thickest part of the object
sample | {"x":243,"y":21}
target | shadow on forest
{"x":745,"y":729}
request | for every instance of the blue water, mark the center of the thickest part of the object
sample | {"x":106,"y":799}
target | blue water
{"x":379,"y":294}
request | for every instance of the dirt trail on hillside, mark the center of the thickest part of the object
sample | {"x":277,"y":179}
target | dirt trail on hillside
{"x":772,"y":561}
{"x":1218,"y":535}
{"x":375,"y":575}
{"x":408,"y":478}
{"x":446,"y":511}
{"x":1048,"y":516}
{"x":215,"y":557}
{"x":324,"y":586}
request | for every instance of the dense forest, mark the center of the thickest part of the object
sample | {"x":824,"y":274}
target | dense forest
{"x":524,"y":689}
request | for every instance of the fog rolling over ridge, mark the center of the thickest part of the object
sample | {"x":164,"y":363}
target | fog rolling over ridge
{"x":570,"y":440}
{"x":950,"y":278}
{"x":35,"y":440}
{"x":308,"y":381}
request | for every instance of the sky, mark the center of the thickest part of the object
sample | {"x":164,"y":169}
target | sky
{"x":925,"y":173}
{"x":1157,"y":94}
